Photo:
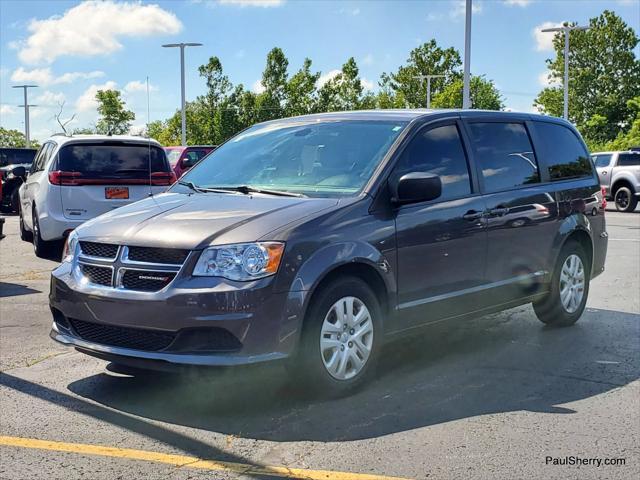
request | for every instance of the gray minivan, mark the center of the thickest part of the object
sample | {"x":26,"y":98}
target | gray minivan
{"x":316,"y":239}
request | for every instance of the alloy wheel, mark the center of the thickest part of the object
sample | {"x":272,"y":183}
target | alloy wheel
{"x":622,"y":199}
{"x":572,"y":283}
{"x":346,"y":338}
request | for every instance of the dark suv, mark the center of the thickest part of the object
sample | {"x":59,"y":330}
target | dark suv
{"x":316,"y":239}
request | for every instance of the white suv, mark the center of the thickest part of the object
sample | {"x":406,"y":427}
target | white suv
{"x":76,"y":178}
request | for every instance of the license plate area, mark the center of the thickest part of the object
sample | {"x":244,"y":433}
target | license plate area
{"x":116,"y":193}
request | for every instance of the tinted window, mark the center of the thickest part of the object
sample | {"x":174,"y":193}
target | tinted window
{"x":629,"y":159}
{"x":173,"y":155}
{"x":602,"y":161}
{"x":113,"y":160}
{"x":316,"y":158}
{"x":505,"y":155}
{"x":566,"y":157}
{"x":438,"y":151}
{"x":42,"y":157}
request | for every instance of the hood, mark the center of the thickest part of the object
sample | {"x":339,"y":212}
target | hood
{"x":176,"y":220}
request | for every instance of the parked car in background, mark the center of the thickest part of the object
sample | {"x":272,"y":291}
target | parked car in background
{"x":183,"y":158}
{"x":11,"y":158}
{"x":314,"y":240}
{"x":76,"y":178}
{"x":619,"y":174}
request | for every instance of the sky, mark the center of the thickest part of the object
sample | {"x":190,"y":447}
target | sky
{"x":72,"y":49}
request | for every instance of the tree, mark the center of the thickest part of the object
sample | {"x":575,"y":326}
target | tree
{"x":427,"y":59}
{"x":342,"y":92}
{"x":301,"y":91}
{"x":83,"y":131}
{"x":484,"y":95}
{"x":271,"y":102}
{"x":114,"y":118}
{"x":12,"y":138}
{"x":604,"y":76}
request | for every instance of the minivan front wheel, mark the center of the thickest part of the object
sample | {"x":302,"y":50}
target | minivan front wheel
{"x":341,"y":338}
{"x":567,"y":298}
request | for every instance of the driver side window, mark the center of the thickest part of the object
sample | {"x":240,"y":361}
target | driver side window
{"x":438,"y":151}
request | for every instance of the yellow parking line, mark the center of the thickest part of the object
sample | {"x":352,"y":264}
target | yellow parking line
{"x":186,"y":461}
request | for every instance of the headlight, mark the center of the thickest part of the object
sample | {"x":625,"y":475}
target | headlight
{"x":70,"y":246}
{"x":242,"y":261}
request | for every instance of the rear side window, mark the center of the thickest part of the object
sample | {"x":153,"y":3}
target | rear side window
{"x":566,"y":157}
{"x":438,"y":151}
{"x":194,"y":155}
{"x":629,"y":159}
{"x":505,"y":155}
{"x":112,"y":160}
{"x":602,"y":161}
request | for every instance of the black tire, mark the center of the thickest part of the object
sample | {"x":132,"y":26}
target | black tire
{"x":625,"y":200}
{"x":307,"y":366}
{"x":25,"y":235}
{"x":551,"y":310}
{"x":41,"y":248}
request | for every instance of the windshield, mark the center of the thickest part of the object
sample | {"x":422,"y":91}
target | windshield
{"x":112,"y":159}
{"x":329,"y":158}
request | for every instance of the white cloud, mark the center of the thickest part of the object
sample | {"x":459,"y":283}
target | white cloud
{"x":7,"y":110}
{"x":460,"y":7}
{"x":518,"y":3}
{"x":328,"y":76}
{"x":366,"y":84}
{"x":138,"y":86}
{"x":240,"y":53}
{"x":49,"y":99}
{"x":434,"y":17}
{"x":545,"y":81}
{"x":544,"y":40}
{"x":252,"y":3}
{"x":367,"y":59}
{"x":94,"y":28}
{"x":44,"y":76}
{"x":87,"y":101}
{"x":257,"y":86}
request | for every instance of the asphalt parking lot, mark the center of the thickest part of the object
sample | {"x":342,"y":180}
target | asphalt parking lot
{"x":490,"y":398}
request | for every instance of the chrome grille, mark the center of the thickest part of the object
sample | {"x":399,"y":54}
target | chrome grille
{"x":97,"y":275}
{"x":141,"y":269}
{"x":171,"y":256}
{"x":102,"y":250}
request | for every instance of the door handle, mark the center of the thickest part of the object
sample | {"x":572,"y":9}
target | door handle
{"x":498,"y":212}
{"x":472,"y":215}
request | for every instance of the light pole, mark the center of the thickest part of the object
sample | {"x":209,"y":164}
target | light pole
{"x":26,"y":112}
{"x":184,"y":114}
{"x":466,"y":94}
{"x":428,"y":79}
{"x":566,"y":29}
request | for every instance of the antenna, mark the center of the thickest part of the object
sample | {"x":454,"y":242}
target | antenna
{"x":149,"y":140}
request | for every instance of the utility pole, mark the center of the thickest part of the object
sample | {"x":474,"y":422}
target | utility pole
{"x":26,"y":106}
{"x":566,"y":29}
{"x":466,"y":94}
{"x":182,"y":89}
{"x":428,"y":79}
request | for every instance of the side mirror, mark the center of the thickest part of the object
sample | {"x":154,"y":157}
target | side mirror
{"x":19,"y":172}
{"x":188,"y":162}
{"x":417,"y":187}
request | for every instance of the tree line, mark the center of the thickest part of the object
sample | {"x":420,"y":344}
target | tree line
{"x":604,"y":91}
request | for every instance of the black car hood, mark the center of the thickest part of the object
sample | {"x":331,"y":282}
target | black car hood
{"x":191,"y":221}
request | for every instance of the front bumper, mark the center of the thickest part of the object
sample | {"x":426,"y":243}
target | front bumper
{"x":264,"y":325}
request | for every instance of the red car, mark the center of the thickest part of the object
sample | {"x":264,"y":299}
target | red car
{"x":183,"y":158}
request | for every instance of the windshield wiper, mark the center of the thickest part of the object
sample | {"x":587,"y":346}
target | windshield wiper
{"x":247,"y":189}
{"x":196,"y":188}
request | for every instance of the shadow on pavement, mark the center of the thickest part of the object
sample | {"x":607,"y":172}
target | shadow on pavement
{"x":15,"y":289}
{"x":506,"y":362}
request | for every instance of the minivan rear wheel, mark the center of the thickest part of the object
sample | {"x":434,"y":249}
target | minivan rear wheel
{"x":625,"y":200}
{"x":25,"y":235}
{"x":341,"y":338}
{"x":567,"y":298}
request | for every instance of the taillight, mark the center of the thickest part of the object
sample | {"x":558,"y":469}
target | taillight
{"x":163,"y":178}
{"x":604,"y":198}
{"x":59,"y":177}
